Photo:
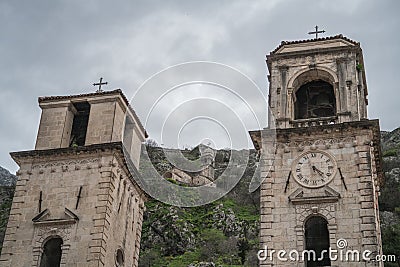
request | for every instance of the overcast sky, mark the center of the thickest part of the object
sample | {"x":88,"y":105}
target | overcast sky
{"x":61,"y":47}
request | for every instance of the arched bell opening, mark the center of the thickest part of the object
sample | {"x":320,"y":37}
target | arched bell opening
{"x":315,"y":99}
{"x":314,"y":94}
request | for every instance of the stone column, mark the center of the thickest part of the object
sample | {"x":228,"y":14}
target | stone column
{"x":343,"y":109}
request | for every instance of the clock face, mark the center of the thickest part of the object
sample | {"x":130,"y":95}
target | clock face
{"x":314,"y":169}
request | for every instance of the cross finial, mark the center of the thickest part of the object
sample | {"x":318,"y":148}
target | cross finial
{"x":100,"y":84}
{"x":316,"y":32}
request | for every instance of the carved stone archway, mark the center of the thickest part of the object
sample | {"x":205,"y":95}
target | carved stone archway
{"x":305,"y":211}
{"x":307,"y":75}
{"x":43,"y":233}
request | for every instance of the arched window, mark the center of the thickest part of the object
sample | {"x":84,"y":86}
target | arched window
{"x":119,"y":257}
{"x":51,"y":256}
{"x":314,"y":100}
{"x":317,"y":239}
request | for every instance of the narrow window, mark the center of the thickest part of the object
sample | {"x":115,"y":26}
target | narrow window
{"x":51,"y":256}
{"x":133,"y":219}
{"x":317,"y":240}
{"x":128,"y":133}
{"x":80,"y":124}
{"x":119,"y":257}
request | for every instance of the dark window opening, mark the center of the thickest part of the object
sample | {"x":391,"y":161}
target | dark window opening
{"x":51,"y":256}
{"x":119,"y":257}
{"x":314,"y":100}
{"x":317,"y":239}
{"x":168,"y":175}
{"x":80,"y":124}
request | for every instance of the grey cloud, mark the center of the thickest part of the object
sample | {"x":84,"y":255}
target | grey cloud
{"x":62,"y":47}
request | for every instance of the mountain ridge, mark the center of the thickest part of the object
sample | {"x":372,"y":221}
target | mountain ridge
{"x":6,"y":178}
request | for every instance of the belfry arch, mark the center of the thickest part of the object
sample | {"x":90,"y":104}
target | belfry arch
{"x":314,"y":94}
{"x":314,"y":99}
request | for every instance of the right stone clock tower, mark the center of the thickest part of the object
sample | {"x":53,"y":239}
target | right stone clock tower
{"x":322,"y":179}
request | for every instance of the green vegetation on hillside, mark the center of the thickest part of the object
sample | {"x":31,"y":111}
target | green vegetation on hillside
{"x":224,"y":232}
{"x":6,"y":194}
{"x":389,"y":201}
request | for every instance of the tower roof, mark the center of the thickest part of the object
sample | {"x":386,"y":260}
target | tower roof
{"x":325,"y":42}
{"x":48,"y":99}
{"x":43,"y":99}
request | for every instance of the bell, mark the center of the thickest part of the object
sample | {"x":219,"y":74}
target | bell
{"x":322,"y":100}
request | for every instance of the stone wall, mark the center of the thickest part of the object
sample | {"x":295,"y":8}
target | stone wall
{"x":52,"y":131}
{"x":349,"y":205}
{"x":87,"y":199}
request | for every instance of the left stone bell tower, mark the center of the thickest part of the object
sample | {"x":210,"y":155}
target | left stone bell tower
{"x":76,"y":203}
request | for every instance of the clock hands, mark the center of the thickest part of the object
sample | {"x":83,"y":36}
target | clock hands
{"x":315,"y":169}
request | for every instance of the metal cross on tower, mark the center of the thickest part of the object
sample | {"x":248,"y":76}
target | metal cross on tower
{"x":100,"y":84}
{"x":316,"y":32}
